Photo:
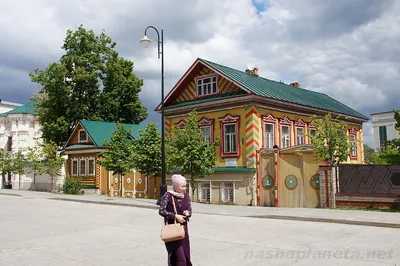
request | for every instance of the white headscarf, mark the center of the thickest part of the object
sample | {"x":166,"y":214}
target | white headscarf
{"x":177,"y":181}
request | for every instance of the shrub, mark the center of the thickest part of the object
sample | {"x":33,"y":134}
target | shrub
{"x":72,"y":186}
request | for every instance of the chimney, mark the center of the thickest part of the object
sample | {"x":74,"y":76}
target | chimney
{"x":295,"y":84}
{"x":253,"y":71}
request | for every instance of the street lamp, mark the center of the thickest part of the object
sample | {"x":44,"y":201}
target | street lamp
{"x":145,"y":43}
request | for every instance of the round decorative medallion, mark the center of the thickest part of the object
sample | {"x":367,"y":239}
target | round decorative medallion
{"x":140,"y":180}
{"x":116,"y":180}
{"x":140,"y":195}
{"x":268,"y":182}
{"x":128,"y":180}
{"x":291,"y":182}
{"x":315,"y":181}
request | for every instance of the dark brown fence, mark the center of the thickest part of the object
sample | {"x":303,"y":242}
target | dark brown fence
{"x":378,"y":180}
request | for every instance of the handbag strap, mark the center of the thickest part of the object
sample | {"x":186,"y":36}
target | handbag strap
{"x":173,"y":203}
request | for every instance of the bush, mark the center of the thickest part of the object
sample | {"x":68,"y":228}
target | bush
{"x":72,"y":186}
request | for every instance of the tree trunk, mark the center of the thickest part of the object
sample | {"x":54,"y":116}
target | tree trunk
{"x":155,"y":187}
{"x":34,"y":180}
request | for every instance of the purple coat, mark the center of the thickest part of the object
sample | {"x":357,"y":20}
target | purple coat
{"x":176,"y":249}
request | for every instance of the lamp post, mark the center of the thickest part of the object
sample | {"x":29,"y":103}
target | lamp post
{"x":145,"y":43}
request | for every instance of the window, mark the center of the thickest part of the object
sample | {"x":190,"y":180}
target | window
{"x":204,"y":190}
{"x":353,"y":144}
{"x":285,"y":136}
{"x":82,"y":136}
{"x":299,"y":135}
{"x":268,"y":136}
{"x":74,"y":167}
{"x":206,"y":134}
{"x":313,"y":132}
{"x":230,"y":138}
{"x":23,"y":139}
{"x":82,"y":167}
{"x":227,"y":192}
{"x":207,"y":128}
{"x":207,"y":85}
{"x":91,"y":167}
{"x":382,"y":137}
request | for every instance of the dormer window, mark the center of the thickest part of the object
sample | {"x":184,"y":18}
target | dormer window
{"x":207,"y":85}
{"x":82,"y":137}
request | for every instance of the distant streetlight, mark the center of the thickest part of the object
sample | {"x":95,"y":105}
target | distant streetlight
{"x":145,"y":43}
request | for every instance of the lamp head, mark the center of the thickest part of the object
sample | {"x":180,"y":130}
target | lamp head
{"x":145,"y":41}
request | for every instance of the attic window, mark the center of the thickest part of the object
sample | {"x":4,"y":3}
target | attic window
{"x":82,"y":137}
{"x":207,"y":85}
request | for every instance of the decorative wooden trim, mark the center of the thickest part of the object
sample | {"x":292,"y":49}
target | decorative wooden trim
{"x":180,"y":124}
{"x":226,"y":120}
{"x":285,"y":121}
{"x":353,"y":133}
{"x":269,"y":118}
{"x":300,"y":124}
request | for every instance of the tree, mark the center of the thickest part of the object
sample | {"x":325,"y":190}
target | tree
{"x":147,"y":152}
{"x":331,"y":143}
{"x":368,"y":154}
{"x":53,"y":161}
{"x":18,"y":166}
{"x":90,"y":81}
{"x":35,"y":160}
{"x":118,"y":156}
{"x":187,"y":152}
{"x":6,"y":166}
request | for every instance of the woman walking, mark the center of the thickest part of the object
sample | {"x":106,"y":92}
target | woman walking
{"x":178,"y":251}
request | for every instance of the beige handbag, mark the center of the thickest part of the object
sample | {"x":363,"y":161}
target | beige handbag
{"x":172,"y":232}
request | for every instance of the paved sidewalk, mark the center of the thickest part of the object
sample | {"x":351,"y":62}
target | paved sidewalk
{"x":368,"y":218}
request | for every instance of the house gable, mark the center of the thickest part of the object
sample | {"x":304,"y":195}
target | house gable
{"x":186,"y":89}
{"x":75,"y":138}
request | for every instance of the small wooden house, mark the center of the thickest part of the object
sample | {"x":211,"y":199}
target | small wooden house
{"x":83,"y":148}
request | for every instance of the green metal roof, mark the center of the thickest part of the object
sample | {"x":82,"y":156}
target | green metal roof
{"x":81,"y":146}
{"x":101,"y":131}
{"x":210,"y":98}
{"x":227,"y":169}
{"x":284,"y":92}
{"x":27,"y":108}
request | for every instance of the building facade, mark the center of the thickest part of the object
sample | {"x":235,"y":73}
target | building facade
{"x":244,"y":113}
{"x":383,"y":126}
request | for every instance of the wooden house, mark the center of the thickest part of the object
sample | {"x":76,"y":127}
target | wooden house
{"x":246,"y":113}
{"x":83,"y":148}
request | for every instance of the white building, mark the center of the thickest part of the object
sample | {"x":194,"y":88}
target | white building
{"x":7,"y":106}
{"x":383,"y":125}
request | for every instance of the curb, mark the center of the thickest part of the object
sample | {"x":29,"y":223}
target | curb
{"x":107,"y":203}
{"x":10,"y":194}
{"x":327,"y":220}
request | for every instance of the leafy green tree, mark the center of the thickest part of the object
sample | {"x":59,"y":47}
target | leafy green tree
{"x":35,"y":160}
{"x":6,"y":165}
{"x":118,"y":156}
{"x":53,"y":161}
{"x":331,"y":143}
{"x":147,"y":152}
{"x":369,"y":154}
{"x":90,"y":81}
{"x":187,"y":152}
{"x":18,"y":166}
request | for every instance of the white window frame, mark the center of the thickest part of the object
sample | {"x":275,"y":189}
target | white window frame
{"x":200,"y":191}
{"x":271,"y":137}
{"x":80,"y":167}
{"x":202,"y":87}
{"x":204,"y":137}
{"x":94,"y":166}
{"x":285,"y":137}
{"x":302,"y":136}
{"x":79,"y":136}
{"x":77,"y":167}
{"x":233,"y":144}
{"x":222,"y":192}
{"x":353,"y":146}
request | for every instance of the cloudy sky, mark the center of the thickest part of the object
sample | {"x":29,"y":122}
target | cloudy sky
{"x":348,"y":49}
